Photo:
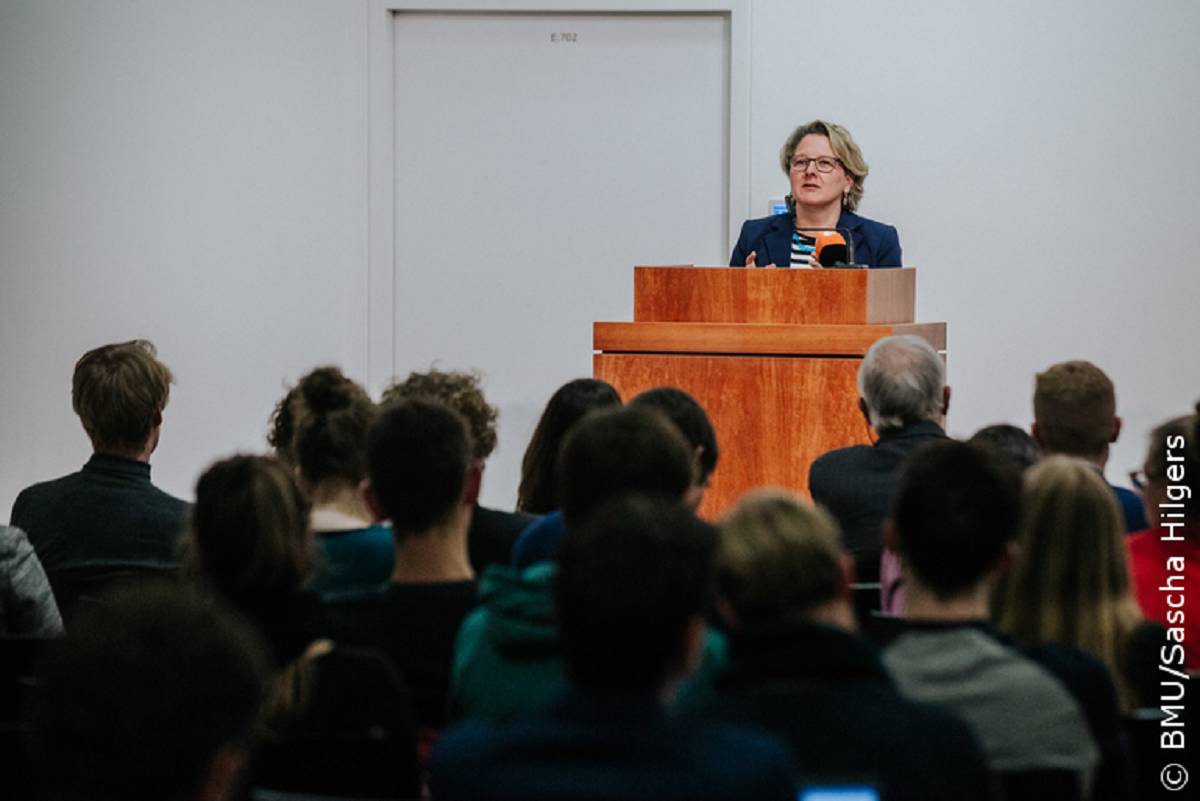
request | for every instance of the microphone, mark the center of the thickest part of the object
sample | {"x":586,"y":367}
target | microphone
{"x":831,"y":249}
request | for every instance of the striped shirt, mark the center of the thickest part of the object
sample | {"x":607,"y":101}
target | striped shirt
{"x":802,"y":248}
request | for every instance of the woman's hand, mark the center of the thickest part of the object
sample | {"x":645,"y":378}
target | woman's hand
{"x":750,"y":260}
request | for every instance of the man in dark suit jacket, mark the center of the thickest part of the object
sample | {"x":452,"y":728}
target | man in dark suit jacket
{"x":632,"y":584}
{"x":903,"y":395}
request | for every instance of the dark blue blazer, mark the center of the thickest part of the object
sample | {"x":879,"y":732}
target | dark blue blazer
{"x":875,"y":244}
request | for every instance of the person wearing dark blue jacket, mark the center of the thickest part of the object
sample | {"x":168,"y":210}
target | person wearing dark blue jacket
{"x":826,"y":171}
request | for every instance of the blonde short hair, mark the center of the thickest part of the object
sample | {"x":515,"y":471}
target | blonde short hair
{"x":778,"y":556}
{"x":844,"y":148}
{"x":1070,"y":582}
{"x":117,"y":390}
{"x":1075,"y":408}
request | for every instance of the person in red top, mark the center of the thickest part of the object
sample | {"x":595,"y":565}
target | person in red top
{"x":1165,"y":560}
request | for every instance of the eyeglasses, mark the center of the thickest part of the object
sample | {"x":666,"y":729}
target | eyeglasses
{"x":1140,"y":479}
{"x":822,"y":163}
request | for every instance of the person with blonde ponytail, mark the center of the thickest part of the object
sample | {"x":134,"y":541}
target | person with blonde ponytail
{"x":1069,"y":582}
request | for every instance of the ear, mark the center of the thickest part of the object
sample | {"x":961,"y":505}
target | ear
{"x":862,"y":407}
{"x":891,"y":540}
{"x":1037,"y":436}
{"x":158,"y":418}
{"x":371,"y":498}
{"x":1116,"y":429}
{"x":1007,"y":556}
{"x":471,"y":486}
{"x":945,"y":401}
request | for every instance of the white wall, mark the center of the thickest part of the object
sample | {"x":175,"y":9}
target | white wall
{"x":196,"y":173}
{"x":193,"y":173}
{"x":1037,"y":159}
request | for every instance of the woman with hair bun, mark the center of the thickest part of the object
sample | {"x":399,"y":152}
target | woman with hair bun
{"x":826,"y":171}
{"x":320,"y":427}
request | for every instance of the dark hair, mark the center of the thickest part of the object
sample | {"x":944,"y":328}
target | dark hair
{"x":686,"y":413}
{"x":632,"y":575}
{"x":538,"y":492}
{"x":418,"y":455}
{"x":460,"y":392}
{"x":117,"y":390}
{"x":1014,"y":443}
{"x":613,"y":451}
{"x":333,"y":414}
{"x":250,"y":535}
{"x":956,"y":508}
{"x":135,"y":703}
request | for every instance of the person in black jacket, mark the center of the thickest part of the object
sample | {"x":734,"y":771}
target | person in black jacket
{"x":797,"y":669}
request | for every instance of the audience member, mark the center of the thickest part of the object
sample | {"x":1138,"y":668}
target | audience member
{"x":1038,"y":710}
{"x":320,"y":427}
{"x":27,"y":607}
{"x":692,"y":421}
{"x":153,"y":696}
{"x":339,"y":716}
{"x":1075,"y":414}
{"x":507,"y":660}
{"x":904,"y":397}
{"x":797,"y":669}
{"x":620,"y":450}
{"x":1015,"y":443}
{"x":538,"y":493}
{"x":492,"y":533}
{"x":1069,"y":582}
{"x":107,"y":518}
{"x":1165,"y":561}
{"x":1009,"y":441}
{"x":633,"y":580}
{"x":424,"y":479}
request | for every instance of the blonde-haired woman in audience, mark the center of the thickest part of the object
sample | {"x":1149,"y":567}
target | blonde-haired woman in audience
{"x":1069,"y":582}
{"x":338,"y":718}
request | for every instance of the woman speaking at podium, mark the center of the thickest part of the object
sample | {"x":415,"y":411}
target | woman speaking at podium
{"x":826,"y":170}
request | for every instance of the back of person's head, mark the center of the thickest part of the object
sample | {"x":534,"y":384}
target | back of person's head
{"x":1172,"y":466}
{"x":1075,"y":409}
{"x":613,"y":451}
{"x":955,"y":511}
{"x":538,"y":492}
{"x":685,"y":412}
{"x":328,"y":416}
{"x":117,"y":391}
{"x":418,"y":456}
{"x":1069,"y":582}
{"x":902,"y":380}
{"x":1015,"y":443}
{"x":633,"y":576}
{"x":779,"y":557}
{"x":458,"y":391}
{"x":250,"y":532}
{"x":152,"y":686}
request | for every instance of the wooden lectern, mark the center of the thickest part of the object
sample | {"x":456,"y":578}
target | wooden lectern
{"x":772,"y":355}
